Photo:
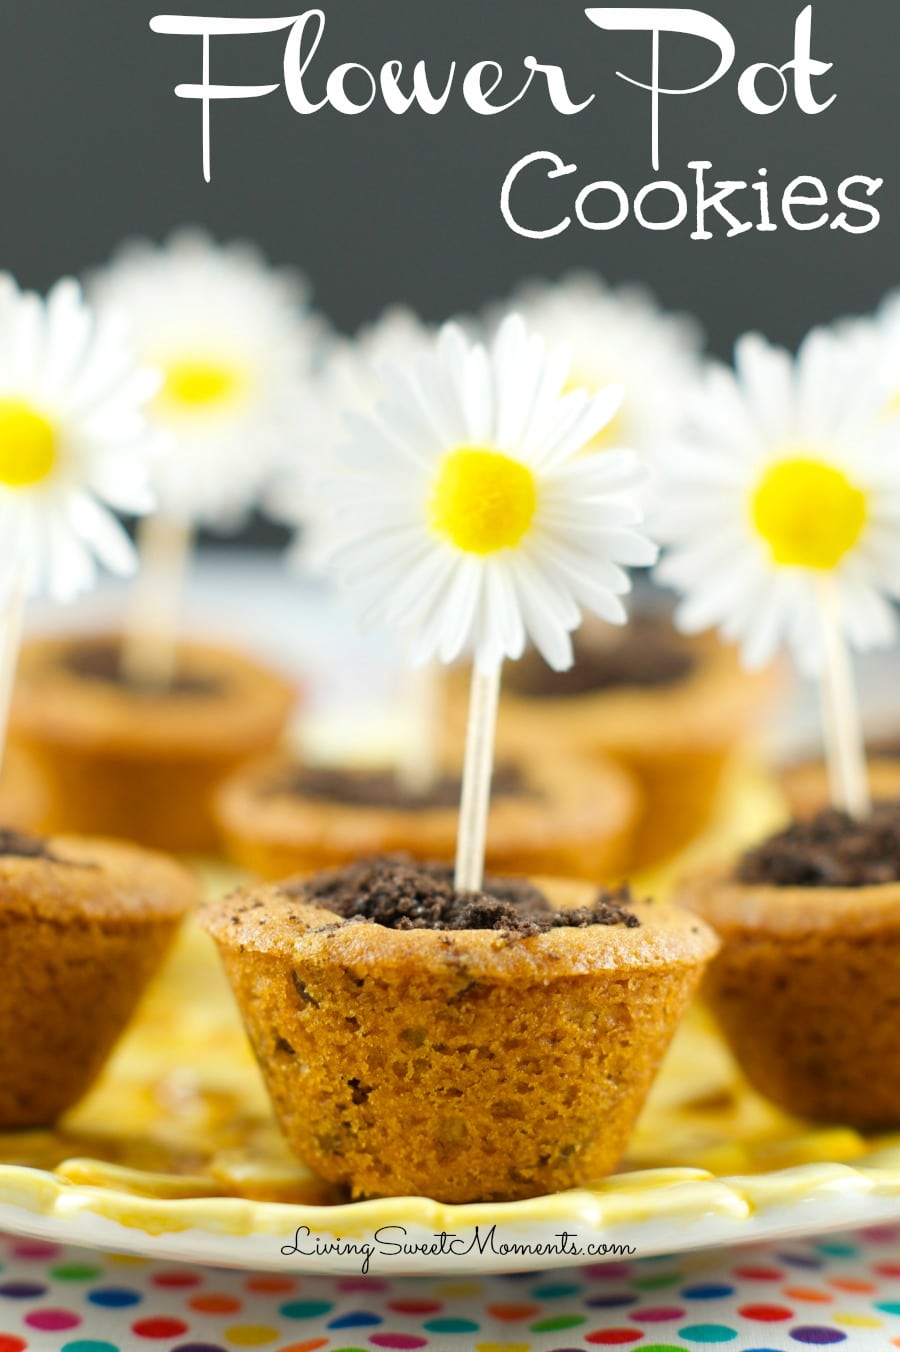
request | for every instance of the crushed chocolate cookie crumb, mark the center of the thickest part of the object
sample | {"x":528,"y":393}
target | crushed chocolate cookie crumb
{"x":400,"y":893}
{"x":102,"y":662}
{"x":19,"y":845}
{"x":829,"y":850}
{"x":646,"y":655}
{"x":382,"y":788}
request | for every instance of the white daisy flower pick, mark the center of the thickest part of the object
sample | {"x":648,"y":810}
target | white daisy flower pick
{"x":619,"y":336}
{"x":469,"y":516}
{"x":781,"y":517}
{"x":233,"y":340}
{"x":74,"y":448}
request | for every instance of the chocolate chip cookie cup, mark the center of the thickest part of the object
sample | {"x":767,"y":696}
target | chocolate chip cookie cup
{"x":141,"y":763}
{"x":560,"y":817}
{"x":84,"y":925}
{"x":477,"y":1047}
{"x":670,"y":710}
{"x":806,"y":987}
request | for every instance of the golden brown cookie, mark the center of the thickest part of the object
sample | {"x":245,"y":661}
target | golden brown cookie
{"x":806,"y":987}
{"x":670,"y":710}
{"x":84,"y":924}
{"x":562,"y":816}
{"x":141,"y":764}
{"x":465,"y":1064}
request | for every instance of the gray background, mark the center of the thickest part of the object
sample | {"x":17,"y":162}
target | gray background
{"x":94,"y":147}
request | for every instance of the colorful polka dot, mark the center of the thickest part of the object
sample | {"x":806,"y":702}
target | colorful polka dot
{"x":511,"y":1314}
{"x":849,"y":1319}
{"x":449,"y":1325}
{"x":160,"y":1327}
{"x":558,"y":1322}
{"x":817,"y":1335}
{"x":180,"y":1279}
{"x":852,"y":1284}
{"x":89,"y":1345}
{"x":201,"y":1347}
{"x":212,"y":1302}
{"x":75,"y":1272}
{"x":613,"y":1337}
{"x":765,"y":1314}
{"x":10,"y":1343}
{"x":707,"y":1333}
{"x":22,"y":1290}
{"x":657,"y":1314}
{"x":402,"y":1342}
{"x":707,"y":1291}
{"x":53,"y":1321}
{"x":35,"y":1251}
{"x":251,"y":1335}
{"x":356,"y":1319}
{"x":812,"y":1294}
{"x":269,"y":1284}
{"x":657,"y":1281}
{"x":115,"y":1297}
{"x":888,"y":1306}
{"x":306,"y":1309}
{"x":759,"y":1274}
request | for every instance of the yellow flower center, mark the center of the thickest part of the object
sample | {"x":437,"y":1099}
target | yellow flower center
{"x":195,"y":383}
{"x":809,"y":513}
{"x":482,"y":500}
{"x":27,"y":444}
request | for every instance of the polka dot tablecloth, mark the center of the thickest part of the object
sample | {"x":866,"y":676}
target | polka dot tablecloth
{"x":837,"y":1291}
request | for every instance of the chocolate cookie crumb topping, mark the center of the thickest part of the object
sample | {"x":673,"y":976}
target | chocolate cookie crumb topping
{"x":646,"y":655}
{"x":829,"y":850}
{"x":103,"y":662}
{"x":382,"y":788}
{"x":19,"y":845}
{"x":402,"y":894}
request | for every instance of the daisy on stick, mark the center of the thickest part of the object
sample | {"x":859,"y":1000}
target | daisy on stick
{"x":233,"y":341}
{"x":470,"y":516}
{"x":75,"y":448}
{"x":781,"y":520}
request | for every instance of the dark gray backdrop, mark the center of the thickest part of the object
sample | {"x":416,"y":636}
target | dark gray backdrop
{"x":94,"y":146}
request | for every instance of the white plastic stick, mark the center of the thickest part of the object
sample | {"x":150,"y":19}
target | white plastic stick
{"x":478,"y":770}
{"x":418,"y":760}
{"x":845,"y":747}
{"x":149,"y":649}
{"x":10,"y":643}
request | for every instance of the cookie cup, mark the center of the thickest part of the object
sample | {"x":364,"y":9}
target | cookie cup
{"x":674,"y":739}
{"x":805,"y":989}
{"x":461,"y":1065}
{"x":83,"y":928}
{"x":572,"y":819}
{"x":141,"y":764}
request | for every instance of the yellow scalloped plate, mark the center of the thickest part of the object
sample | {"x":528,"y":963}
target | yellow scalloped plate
{"x":175,"y":1154}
